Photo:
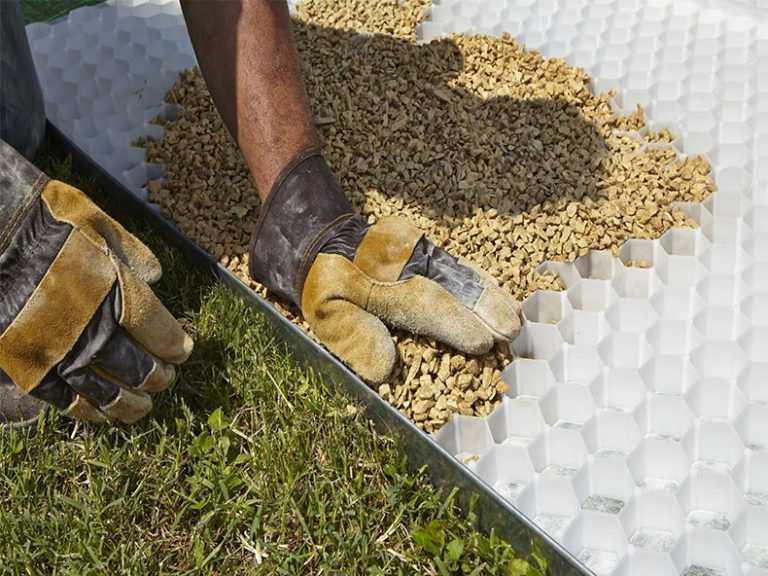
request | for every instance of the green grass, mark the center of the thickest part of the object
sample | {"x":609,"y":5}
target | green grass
{"x":42,"y":10}
{"x":249,"y":465}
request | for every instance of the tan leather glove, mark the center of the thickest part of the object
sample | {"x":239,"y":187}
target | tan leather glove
{"x":350,"y":279}
{"x":79,"y":326}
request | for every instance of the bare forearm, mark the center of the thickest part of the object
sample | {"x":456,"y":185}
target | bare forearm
{"x":247,"y":56}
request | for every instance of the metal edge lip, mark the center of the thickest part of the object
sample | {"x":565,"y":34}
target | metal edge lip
{"x":562,"y":562}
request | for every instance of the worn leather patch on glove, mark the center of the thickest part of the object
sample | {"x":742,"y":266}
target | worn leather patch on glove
{"x":57,"y":312}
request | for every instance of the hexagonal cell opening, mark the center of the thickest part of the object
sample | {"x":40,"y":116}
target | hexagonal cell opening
{"x":714,"y":445}
{"x":567,"y":406}
{"x":752,"y":426}
{"x":668,"y":374}
{"x":528,"y":377}
{"x":507,"y":468}
{"x":654,"y":521}
{"x":516,"y":421}
{"x":576,"y":365}
{"x":641,"y":563}
{"x":750,"y":534}
{"x":639,"y":253}
{"x":751,"y":475}
{"x":597,"y":541}
{"x":659,"y":464}
{"x":625,"y":350}
{"x":710,"y":500}
{"x":591,"y":294}
{"x":673,"y":337}
{"x":722,"y":360}
{"x":716,"y":400}
{"x":631,"y":315}
{"x":565,"y":270}
{"x":619,"y":389}
{"x":720,"y":323}
{"x":719,"y":290}
{"x":755,"y":308}
{"x":611,"y":432}
{"x":597,"y":264}
{"x":753,"y":382}
{"x":465,"y":437}
{"x":664,"y":416}
{"x":550,"y":501}
{"x":706,"y":553}
{"x":677,"y":303}
{"x":604,"y":485}
{"x":559,"y":452}
{"x":535,"y":340}
{"x":546,"y":307}
{"x":585,"y":327}
{"x":755,"y":343}
{"x":636,"y":282}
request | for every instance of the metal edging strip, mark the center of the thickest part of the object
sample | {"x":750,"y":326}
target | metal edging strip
{"x":492,"y":511}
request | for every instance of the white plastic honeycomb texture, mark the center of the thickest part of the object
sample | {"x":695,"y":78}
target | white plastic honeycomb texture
{"x":635,"y":430}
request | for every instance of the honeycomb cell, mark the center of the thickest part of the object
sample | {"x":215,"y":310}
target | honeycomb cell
{"x":716,"y":400}
{"x":611,"y":432}
{"x":537,"y":340}
{"x":752,"y":426}
{"x":722,"y":360}
{"x":631,"y":315}
{"x":653,"y":521}
{"x":528,"y":377}
{"x":750,"y":534}
{"x":597,"y":540}
{"x":664,"y":416}
{"x":754,"y":343}
{"x":559,"y":452}
{"x":682,"y":265}
{"x":714,"y":445}
{"x":576,"y":365}
{"x":640,"y":563}
{"x":508,"y":469}
{"x":592,"y":294}
{"x":659,"y":464}
{"x":604,"y":484}
{"x":706,"y":553}
{"x":550,"y":501}
{"x":625,"y":350}
{"x":667,"y":374}
{"x":710,"y":500}
{"x":597,"y":265}
{"x":670,"y":337}
{"x":565,"y":270}
{"x":516,"y":421}
{"x":677,"y":303}
{"x":567,"y":405}
{"x":753,"y":382}
{"x":618,"y":389}
{"x":755,"y":308}
{"x":465,"y":437}
{"x":751,"y":476}
{"x":585,"y":328}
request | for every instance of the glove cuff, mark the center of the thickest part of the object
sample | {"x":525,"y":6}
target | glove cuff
{"x":304,"y":209}
{"x":20,"y":186}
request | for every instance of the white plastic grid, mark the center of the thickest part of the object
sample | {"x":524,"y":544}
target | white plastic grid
{"x":635,"y":430}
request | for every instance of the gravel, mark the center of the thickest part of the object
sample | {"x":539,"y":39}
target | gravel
{"x":499,"y":154}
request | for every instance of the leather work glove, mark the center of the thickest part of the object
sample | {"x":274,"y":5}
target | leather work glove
{"x":79,"y":326}
{"x":349,"y":279}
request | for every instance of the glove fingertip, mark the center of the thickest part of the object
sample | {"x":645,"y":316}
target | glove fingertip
{"x":500,"y":313}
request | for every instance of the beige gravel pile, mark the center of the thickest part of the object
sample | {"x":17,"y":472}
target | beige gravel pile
{"x":500,"y":155}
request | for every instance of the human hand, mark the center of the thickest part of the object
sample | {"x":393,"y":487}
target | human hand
{"x":79,"y":326}
{"x":350,"y":279}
